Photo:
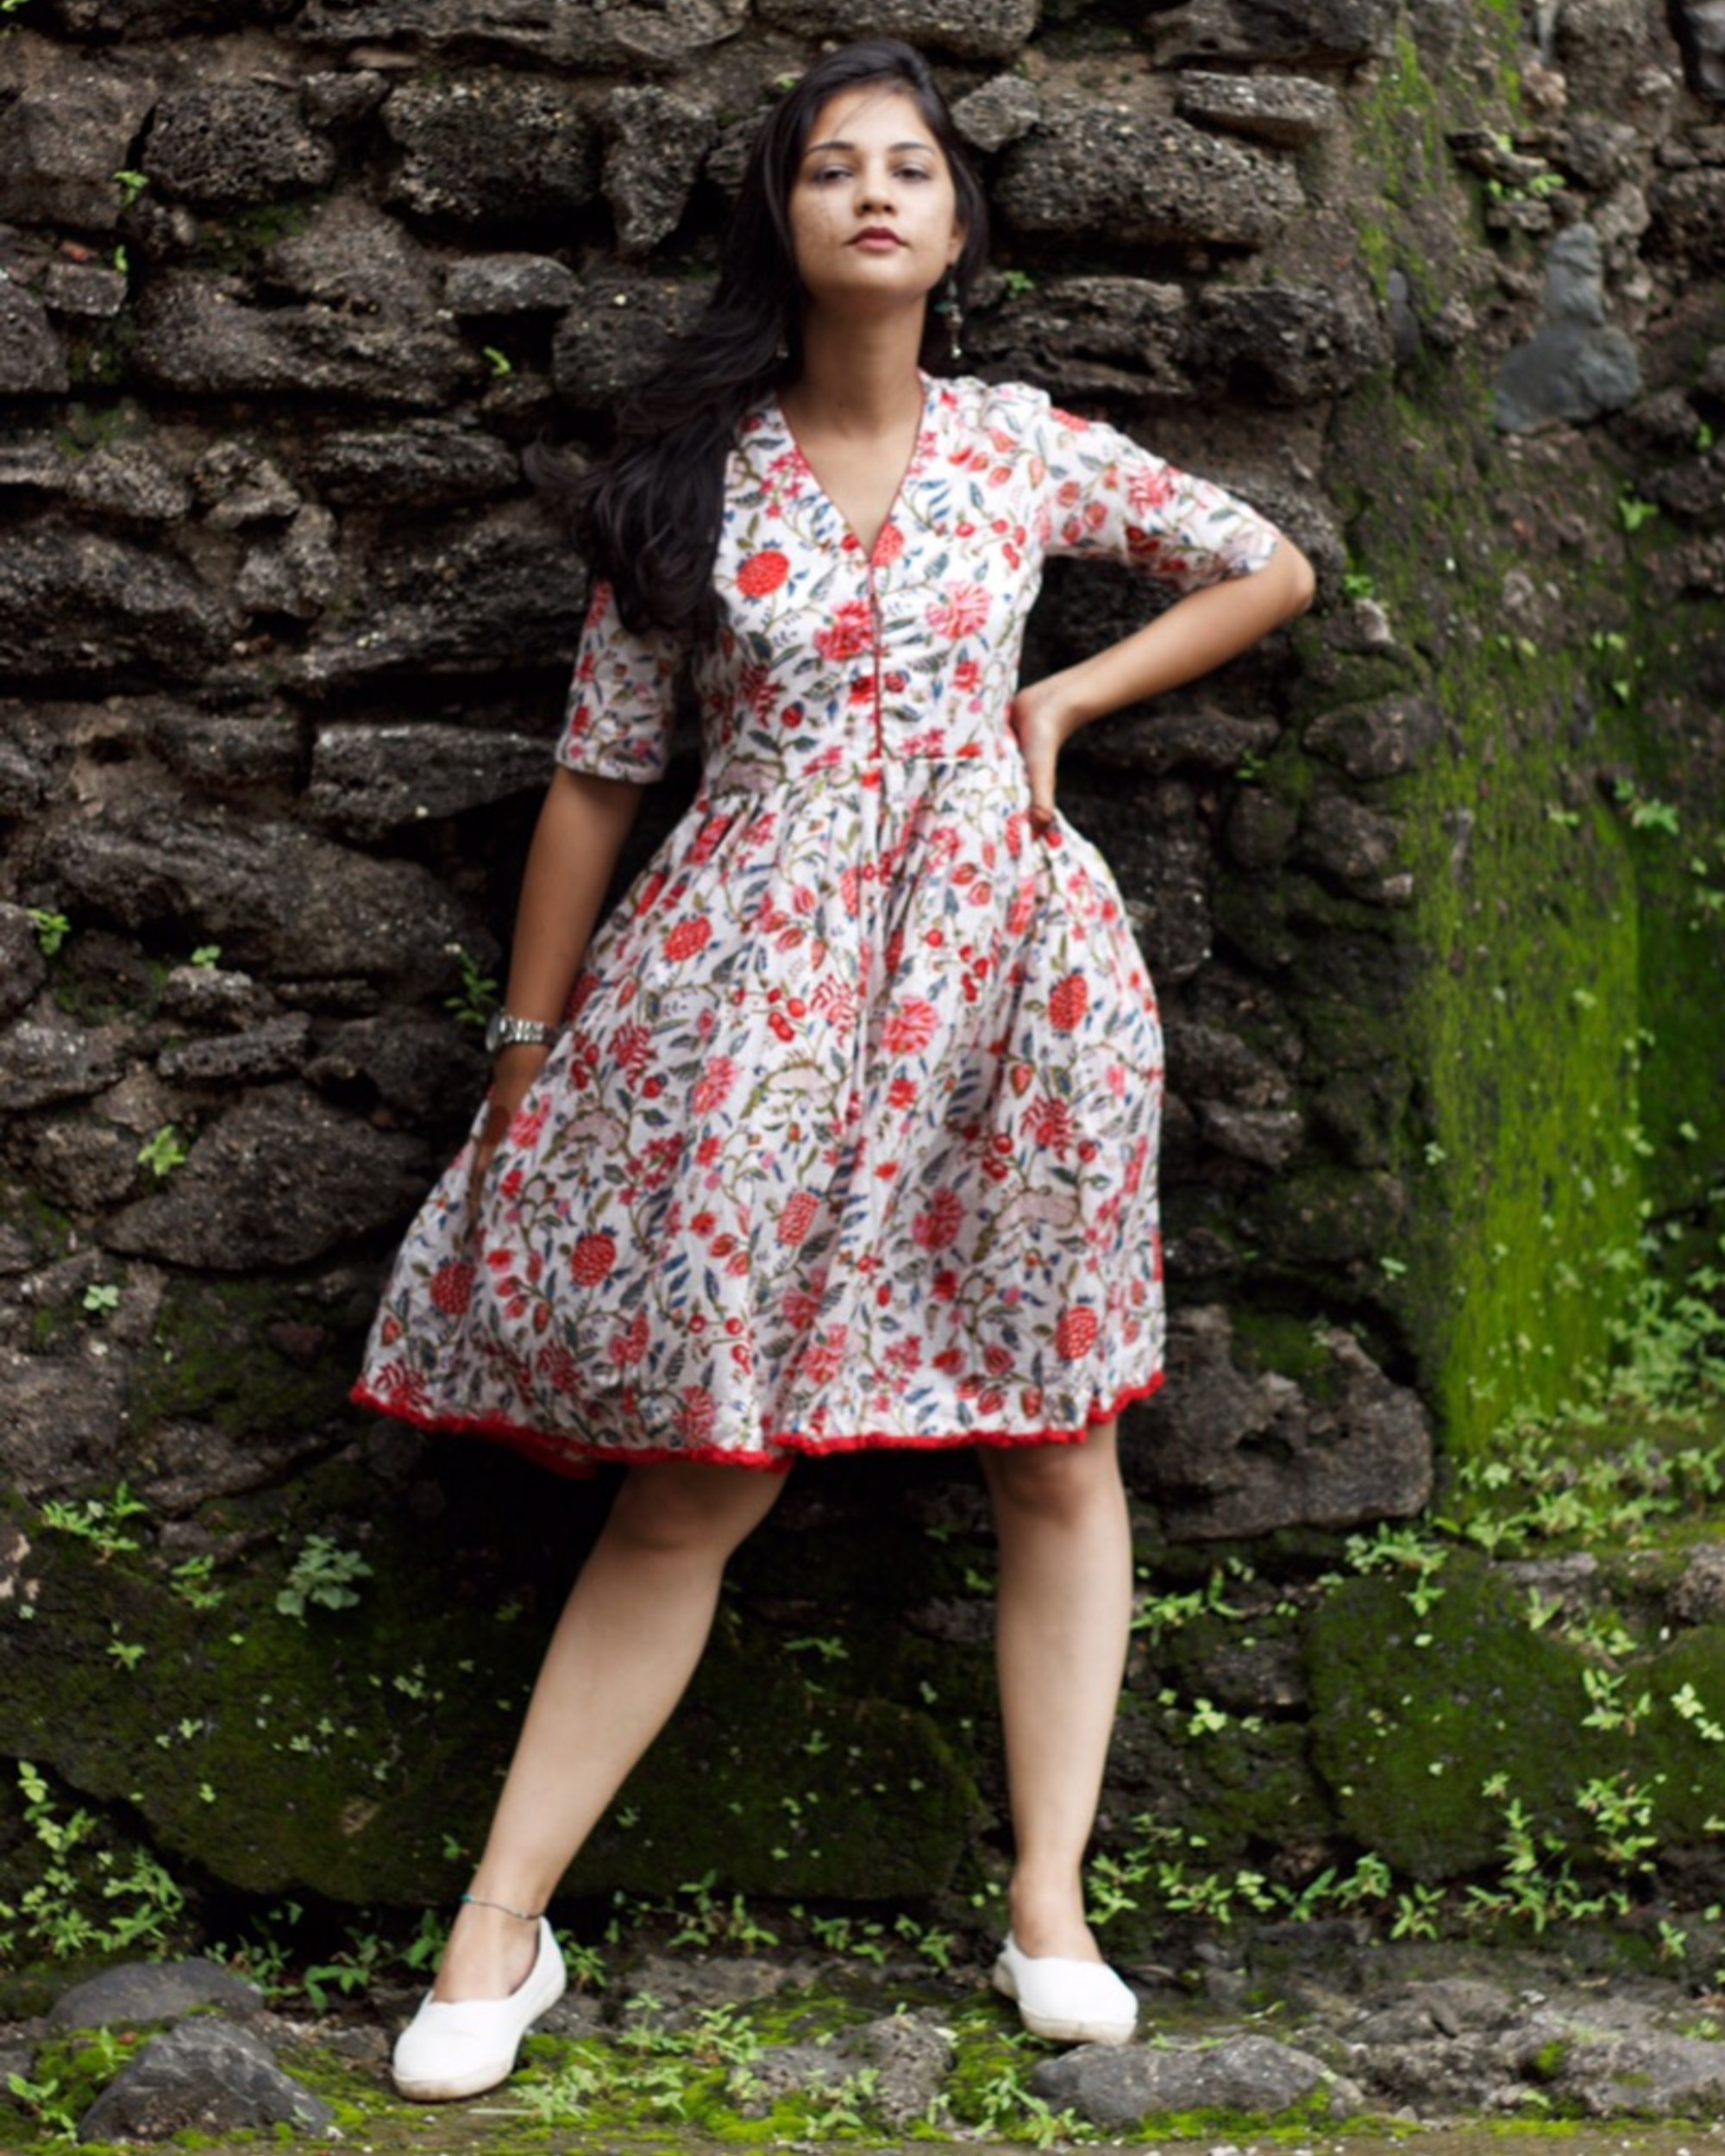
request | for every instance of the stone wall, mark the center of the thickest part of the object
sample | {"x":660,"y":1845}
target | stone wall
{"x":1432,"y":887}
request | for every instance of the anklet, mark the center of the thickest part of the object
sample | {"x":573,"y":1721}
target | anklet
{"x":476,"y":1901}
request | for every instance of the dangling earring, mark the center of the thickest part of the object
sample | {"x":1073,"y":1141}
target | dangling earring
{"x":948,"y":305}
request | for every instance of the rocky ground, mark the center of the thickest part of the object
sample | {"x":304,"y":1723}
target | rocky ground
{"x":1307,"y":2033}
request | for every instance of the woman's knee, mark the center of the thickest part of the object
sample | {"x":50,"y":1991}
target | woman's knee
{"x":686,"y":1509}
{"x":1056,"y":1480}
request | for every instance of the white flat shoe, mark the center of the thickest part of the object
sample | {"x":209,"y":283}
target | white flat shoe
{"x":462,"y":2047}
{"x":1067,"y":2002}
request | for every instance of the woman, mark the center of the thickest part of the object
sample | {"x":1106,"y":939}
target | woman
{"x":840,"y":1130}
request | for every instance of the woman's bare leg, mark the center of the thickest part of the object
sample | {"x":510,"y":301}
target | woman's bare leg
{"x":1064,"y":1615}
{"x":624,"y":1648}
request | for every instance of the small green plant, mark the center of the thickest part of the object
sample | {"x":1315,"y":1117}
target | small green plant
{"x":500,"y":362}
{"x":126,"y":1652}
{"x":1019,"y":284}
{"x":192,"y":1580}
{"x":90,"y":1896}
{"x":323,"y":1577}
{"x":1416,"y":1913}
{"x":131,"y":185}
{"x":51,"y":928}
{"x":1359,"y":584}
{"x":826,"y":1648}
{"x":705,"y":1920}
{"x":935,"y":1946}
{"x":43,"y":2100}
{"x":1633,"y":513}
{"x":207,"y":957}
{"x":353,"y":1970}
{"x":474,"y":1002}
{"x":100,"y":1297}
{"x":1624,"y":1820}
{"x":1538,"y":188}
{"x":164,"y":1152}
{"x":1656,"y":816}
{"x":96,"y":1521}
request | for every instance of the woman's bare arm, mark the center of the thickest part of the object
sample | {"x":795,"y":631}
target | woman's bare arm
{"x":576,"y":843}
{"x":1198,"y":633}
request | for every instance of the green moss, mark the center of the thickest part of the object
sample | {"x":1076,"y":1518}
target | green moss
{"x":80,"y":2066}
{"x":240,"y":241}
{"x":342,"y":1752}
{"x":1414,"y":1714}
{"x":1516,"y":991}
{"x":1207,"y":2121}
{"x":1273,"y":1340}
{"x":1521,"y":1017}
{"x":1458,"y":1742}
{"x":863,"y":1794}
{"x":249,"y":1357}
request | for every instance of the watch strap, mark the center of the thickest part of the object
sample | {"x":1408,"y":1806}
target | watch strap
{"x":502,"y":1029}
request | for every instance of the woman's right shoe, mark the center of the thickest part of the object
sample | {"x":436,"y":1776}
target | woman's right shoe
{"x":1068,"y":2001}
{"x":462,"y":2047}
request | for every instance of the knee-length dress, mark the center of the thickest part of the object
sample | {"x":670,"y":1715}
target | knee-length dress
{"x":850,"y":1138}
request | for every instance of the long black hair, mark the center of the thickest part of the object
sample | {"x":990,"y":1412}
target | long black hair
{"x":649,"y":512}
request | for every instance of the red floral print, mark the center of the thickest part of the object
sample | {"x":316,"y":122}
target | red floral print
{"x":938,"y":1227}
{"x":850,"y":631}
{"x":452,"y":1288}
{"x":911,"y":1027}
{"x":713,"y":1088}
{"x":800,"y":1212}
{"x":1076,"y":1334}
{"x":851,"y":1138}
{"x":961,"y":612}
{"x":1069,"y":1002}
{"x":592,"y":1258}
{"x":688,"y":938}
{"x":762,"y":574}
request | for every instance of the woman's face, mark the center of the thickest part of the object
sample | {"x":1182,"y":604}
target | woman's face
{"x":874,"y":214}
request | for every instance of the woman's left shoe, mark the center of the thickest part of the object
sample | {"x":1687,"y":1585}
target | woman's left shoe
{"x":462,"y":2047}
{"x":1067,"y":2002}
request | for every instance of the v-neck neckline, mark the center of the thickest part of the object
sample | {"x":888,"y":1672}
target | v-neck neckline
{"x":912,"y":466}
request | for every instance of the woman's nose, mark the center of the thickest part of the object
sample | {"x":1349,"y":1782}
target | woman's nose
{"x":874,"y":191}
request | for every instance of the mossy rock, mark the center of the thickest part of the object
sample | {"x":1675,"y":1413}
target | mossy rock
{"x":774,"y":1786}
{"x":1679,"y":1754}
{"x":1206,"y":1799}
{"x":355,"y":1752}
{"x":254,"y":1358}
{"x":1414,"y":1714}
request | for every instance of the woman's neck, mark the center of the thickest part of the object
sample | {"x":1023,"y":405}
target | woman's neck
{"x":858,"y":378}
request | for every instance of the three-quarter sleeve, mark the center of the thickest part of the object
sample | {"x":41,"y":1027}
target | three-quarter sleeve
{"x":622,"y":706}
{"x":1108,"y":497}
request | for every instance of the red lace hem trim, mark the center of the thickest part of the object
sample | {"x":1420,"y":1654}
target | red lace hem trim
{"x":576,"y":1456}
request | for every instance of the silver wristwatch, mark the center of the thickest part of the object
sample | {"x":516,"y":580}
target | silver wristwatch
{"x":503,"y":1032}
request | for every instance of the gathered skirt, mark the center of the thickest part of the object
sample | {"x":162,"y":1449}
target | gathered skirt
{"x":849,"y":1142}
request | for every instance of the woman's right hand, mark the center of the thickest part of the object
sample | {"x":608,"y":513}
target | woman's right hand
{"x":512,"y":1074}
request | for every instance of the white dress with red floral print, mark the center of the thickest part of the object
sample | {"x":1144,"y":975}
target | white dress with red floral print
{"x":851,"y":1138}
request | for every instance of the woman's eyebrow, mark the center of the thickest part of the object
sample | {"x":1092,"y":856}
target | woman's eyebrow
{"x":814,"y":147}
